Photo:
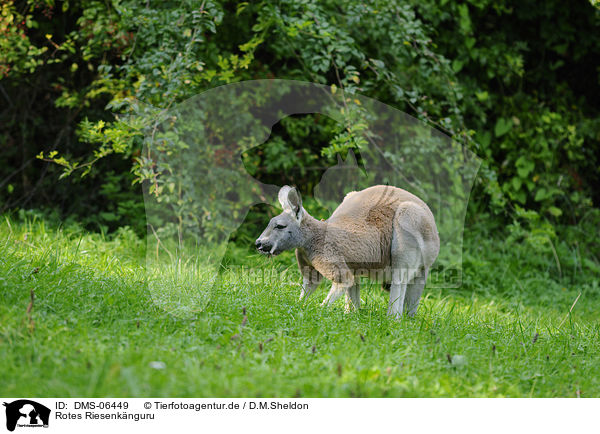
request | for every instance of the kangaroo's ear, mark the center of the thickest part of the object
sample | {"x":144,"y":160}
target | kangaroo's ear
{"x":290,"y":200}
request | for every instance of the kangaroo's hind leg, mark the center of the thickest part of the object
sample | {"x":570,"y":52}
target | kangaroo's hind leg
{"x":397,"y":294}
{"x":413,"y":293}
{"x":406,"y":259}
{"x":352,"y":297}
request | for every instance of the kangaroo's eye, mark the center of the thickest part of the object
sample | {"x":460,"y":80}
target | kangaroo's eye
{"x":280,"y":226}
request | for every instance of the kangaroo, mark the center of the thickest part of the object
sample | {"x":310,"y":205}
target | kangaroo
{"x":380,"y":232}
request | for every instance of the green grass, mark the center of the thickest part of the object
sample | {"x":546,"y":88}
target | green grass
{"x":93,"y":329}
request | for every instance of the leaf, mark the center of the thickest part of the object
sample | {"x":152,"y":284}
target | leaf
{"x":482,"y":96}
{"x":457,"y":65}
{"x":108,"y":216}
{"x":464,"y":19}
{"x":378,"y":63}
{"x":240,"y":7}
{"x":556,"y":212}
{"x":516,"y":183}
{"x":524,"y":166}
{"x":485,"y":139}
{"x":502,"y":127}
{"x":540,"y":195}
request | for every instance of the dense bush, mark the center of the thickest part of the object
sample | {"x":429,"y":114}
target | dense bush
{"x":515,"y":81}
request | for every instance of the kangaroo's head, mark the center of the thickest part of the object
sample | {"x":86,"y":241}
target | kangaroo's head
{"x":283,"y":231}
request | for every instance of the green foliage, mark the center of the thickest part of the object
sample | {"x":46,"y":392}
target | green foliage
{"x":527,"y":78}
{"x":513,"y":81}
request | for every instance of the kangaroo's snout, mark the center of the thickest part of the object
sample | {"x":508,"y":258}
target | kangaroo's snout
{"x":263,"y":247}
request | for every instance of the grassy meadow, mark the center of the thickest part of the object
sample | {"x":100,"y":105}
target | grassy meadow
{"x":92,"y":328}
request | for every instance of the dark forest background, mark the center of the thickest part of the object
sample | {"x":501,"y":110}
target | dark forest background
{"x":516,"y":81}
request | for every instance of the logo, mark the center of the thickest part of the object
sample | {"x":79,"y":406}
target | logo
{"x":26,"y":413}
{"x":204,"y":166}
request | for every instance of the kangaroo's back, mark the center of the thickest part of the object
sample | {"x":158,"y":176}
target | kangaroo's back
{"x":376,"y":205}
{"x":362,"y":226}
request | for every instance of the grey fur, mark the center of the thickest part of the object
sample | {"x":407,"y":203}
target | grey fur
{"x":382,"y":232}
